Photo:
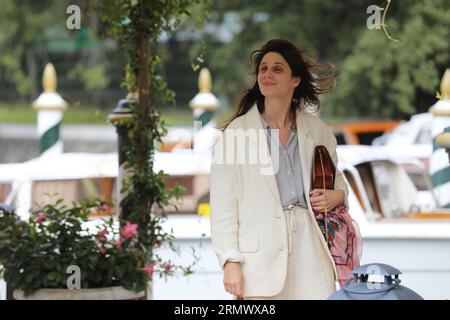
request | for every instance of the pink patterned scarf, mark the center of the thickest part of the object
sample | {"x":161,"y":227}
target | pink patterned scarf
{"x":344,"y":240}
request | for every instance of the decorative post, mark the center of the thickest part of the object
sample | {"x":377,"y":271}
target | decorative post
{"x":443,"y":141}
{"x":204,"y":104}
{"x":120,"y":118}
{"x":50,"y":107}
{"x":439,"y":161}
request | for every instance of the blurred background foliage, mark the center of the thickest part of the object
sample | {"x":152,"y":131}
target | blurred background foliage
{"x":376,"y":77}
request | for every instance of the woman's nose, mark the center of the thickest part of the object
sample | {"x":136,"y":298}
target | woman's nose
{"x":268,"y":74}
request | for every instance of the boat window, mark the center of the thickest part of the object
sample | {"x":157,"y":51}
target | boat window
{"x":366,"y":138}
{"x":73,"y":190}
{"x":197,"y":188}
{"x":365,"y":171}
{"x":395,"y":191}
{"x":418,"y":176}
{"x":351,"y":181}
{"x":424,"y":136}
{"x":5,"y":189}
{"x":340,"y":138}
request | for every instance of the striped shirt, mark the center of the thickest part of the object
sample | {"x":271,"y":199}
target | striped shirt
{"x":289,"y":176}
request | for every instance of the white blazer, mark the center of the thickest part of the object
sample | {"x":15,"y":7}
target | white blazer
{"x":247,"y":219}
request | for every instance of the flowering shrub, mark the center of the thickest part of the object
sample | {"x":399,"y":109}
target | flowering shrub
{"x":136,"y":25}
{"x":37,"y":253}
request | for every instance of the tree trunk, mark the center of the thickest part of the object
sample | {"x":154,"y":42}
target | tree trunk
{"x":142,"y":48}
{"x":143,"y":84}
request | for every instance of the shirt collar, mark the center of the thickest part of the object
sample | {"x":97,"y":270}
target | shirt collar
{"x":264,"y":122}
{"x":267,"y":126}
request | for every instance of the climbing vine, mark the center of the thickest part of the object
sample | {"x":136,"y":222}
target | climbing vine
{"x":383,"y":23}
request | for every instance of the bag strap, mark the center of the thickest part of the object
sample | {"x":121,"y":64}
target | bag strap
{"x":323,"y":177}
{"x":322,"y":156}
{"x":325,"y":159}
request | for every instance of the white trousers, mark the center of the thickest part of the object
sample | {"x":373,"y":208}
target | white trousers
{"x":310,"y":273}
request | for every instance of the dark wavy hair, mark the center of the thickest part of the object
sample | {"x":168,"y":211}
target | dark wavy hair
{"x":315,"y":80}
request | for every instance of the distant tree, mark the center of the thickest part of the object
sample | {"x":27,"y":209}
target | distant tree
{"x":27,"y":27}
{"x":22,"y":25}
{"x":375,"y":76}
{"x":327,"y":27}
{"x":396,"y":79}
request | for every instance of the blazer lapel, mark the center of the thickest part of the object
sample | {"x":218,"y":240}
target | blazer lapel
{"x":254,"y":122}
{"x":306,"y":150}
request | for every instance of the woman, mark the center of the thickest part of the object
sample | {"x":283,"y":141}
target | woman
{"x":262,"y":221}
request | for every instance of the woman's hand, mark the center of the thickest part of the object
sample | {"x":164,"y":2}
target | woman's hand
{"x":321,"y":199}
{"x":233,"y":279}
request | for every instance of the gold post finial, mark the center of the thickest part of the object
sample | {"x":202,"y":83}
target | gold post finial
{"x":204,"y":100}
{"x":204,"y":80}
{"x":445,"y":85}
{"x":49,"y":78}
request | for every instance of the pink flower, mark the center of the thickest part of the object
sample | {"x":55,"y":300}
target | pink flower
{"x":167,"y":267}
{"x":149,"y":269}
{"x":129,"y":230}
{"x":41,"y":218}
{"x":102,"y":250}
{"x":101,"y":235}
{"x":104,"y":207}
{"x":118,"y":243}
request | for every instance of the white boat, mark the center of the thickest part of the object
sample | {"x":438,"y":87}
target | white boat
{"x":416,"y":131}
{"x":410,"y":139}
{"x":399,"y":225}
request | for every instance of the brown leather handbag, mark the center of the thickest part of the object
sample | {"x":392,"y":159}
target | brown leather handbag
{"x":324,"y":171}
{"x":340,"y":231}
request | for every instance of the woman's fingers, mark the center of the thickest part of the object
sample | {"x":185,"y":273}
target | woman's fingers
{"x":318,"y":200}
{"x":321,"y":199}
{"x":318,"y":203}
{"x":233,"y":279}
{"x":235,"y":288}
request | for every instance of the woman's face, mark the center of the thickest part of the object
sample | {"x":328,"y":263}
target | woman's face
{"x":275,"y":76}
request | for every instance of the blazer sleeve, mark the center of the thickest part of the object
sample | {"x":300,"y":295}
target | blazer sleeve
{"x":224,"y":209}
{"x":340,"y":183}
